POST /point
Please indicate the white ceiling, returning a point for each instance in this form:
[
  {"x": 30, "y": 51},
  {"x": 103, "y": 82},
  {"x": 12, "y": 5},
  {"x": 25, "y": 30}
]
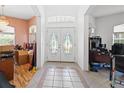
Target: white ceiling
[
  {"x": 18, "y": 11},
  {"x": 61, "y": 10},
  {"x": 26, "y": 11},
  {"x": 104, "y": 10}
]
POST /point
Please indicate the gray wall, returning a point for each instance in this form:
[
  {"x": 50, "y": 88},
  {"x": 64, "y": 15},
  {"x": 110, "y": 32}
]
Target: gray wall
[{"x": 104, "y": 27}]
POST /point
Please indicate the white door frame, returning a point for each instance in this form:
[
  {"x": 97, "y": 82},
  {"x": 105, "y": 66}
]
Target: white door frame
[
  {"x": 75, "y": 41},
  {"x": 40, "y": 34}
]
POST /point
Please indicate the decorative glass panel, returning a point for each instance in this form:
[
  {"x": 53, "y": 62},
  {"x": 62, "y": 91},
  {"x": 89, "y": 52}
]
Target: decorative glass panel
[
  {"x": 53, "y": 44},
  {"x": 67, "y": 43}
]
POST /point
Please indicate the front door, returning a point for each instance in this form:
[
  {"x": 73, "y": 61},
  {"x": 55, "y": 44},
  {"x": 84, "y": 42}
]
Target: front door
[{"x": 60, "y": 44}]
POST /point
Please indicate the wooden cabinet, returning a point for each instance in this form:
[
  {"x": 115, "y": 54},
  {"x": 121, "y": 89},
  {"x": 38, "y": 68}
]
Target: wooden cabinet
[
  {"x": 7, "y": 67},
  {"x": 21, "y": 57},
  {"x": 95, "y": 57}
]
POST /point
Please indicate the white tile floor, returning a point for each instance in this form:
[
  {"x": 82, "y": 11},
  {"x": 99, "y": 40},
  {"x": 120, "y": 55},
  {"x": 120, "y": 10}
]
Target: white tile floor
[
  {"x": 59, "y": 75},
  {"x": 62, "y": 78},
  {"x": 100, "y": 79}
]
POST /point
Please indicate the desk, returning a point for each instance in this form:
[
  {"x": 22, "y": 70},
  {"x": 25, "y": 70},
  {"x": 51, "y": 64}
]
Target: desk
[
  {"x": 96, "y": 57},
  {"x": 7, "y": 67}
]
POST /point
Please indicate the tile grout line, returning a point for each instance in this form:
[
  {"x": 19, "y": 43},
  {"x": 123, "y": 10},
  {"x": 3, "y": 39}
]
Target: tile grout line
[
  {"x": 53, "y": 79},
  {"x": 71, "y": 79},
  {"x": 62, "y": 79}
]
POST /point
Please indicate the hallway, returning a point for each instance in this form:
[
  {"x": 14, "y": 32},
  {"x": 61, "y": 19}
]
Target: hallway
[{"x": 59, "y": 75}]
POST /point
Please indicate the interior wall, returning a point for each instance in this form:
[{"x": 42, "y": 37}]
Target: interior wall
[
  {"x": 104, "y": 27},
  {"x": 82, "y": 38},
  {"x": 91, "y": 24},
  {"x": 92, "y": 21},
  {"x": 32, "y": 21},
  {"x": 21, "y": 29},
  {"x": 41, "y": 25}
]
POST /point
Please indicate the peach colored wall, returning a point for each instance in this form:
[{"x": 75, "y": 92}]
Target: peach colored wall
[
  {"x": 32, "y": 21},
  {"x": 21, "y": 29}
]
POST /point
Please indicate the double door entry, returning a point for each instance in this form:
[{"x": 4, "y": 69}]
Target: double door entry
[{"x": 60, "y": 44}]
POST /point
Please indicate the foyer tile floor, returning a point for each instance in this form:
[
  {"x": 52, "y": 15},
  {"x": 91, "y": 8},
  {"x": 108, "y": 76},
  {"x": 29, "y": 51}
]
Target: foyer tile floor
[
  {"x": 58, "y": 75},
  {"x": 62, "y": 78}
]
